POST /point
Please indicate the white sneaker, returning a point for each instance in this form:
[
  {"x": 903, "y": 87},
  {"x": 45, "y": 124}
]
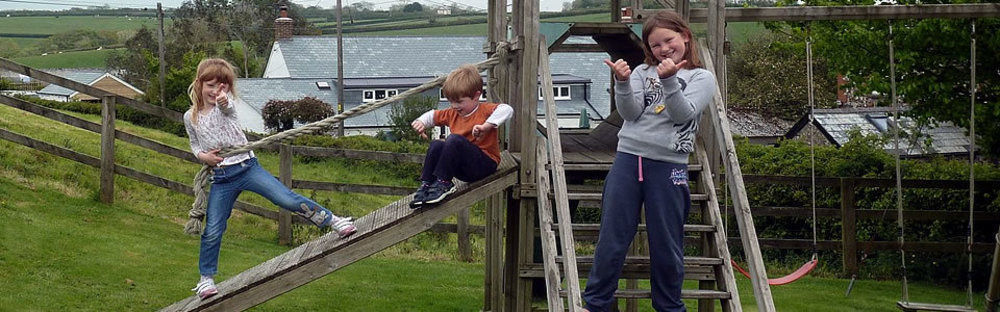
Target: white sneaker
[
  {"x": 206, "y": 288},
  {"x": 344, "y": 226}
]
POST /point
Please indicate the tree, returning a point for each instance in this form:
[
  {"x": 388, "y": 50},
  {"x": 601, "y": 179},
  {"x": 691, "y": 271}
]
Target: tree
[
  {"x": 768, "y": 75},
  {"x": 413, "y": 7},
  {"x": 402, "y": 114},
  {"x": 932, "y": 65},
  {"x": 282, "y": 115}
]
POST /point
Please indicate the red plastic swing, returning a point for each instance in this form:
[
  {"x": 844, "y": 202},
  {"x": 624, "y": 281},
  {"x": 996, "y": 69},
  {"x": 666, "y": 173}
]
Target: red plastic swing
[{"x": 802, "y": 271}]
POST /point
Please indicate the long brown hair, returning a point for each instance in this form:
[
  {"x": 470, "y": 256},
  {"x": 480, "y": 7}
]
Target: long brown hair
[
  {"x": 670, "y": 20},
  {"x": 209, "y": 69}
]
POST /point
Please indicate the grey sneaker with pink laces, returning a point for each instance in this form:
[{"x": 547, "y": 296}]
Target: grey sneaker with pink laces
[
  {"x": 205, "y": 288},
  {"x": 343, "y": 226}
]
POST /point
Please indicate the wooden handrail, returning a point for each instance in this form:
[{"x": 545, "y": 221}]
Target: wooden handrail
[{"x": 723, "y": 139}]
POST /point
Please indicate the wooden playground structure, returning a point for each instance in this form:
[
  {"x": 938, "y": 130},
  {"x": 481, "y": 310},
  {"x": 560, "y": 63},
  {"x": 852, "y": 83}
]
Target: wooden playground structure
[{"x": 541, "y": 171}]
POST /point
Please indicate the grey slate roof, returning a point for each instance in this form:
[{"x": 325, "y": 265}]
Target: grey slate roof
[
  {"x": 945, "y": 137},
  {"x": 81, "y": 76},
  {"x": 415, "y": 56}
]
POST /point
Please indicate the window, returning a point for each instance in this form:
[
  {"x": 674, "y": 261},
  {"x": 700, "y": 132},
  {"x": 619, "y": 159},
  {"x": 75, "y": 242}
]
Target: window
[
  {"x": 322, "y": 85},
  {"x": 559, "y": 92},
  {"x": 442, "y": 98},
  {"x": 377, "y": 94}
]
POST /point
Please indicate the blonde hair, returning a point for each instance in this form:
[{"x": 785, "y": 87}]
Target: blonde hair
[
  {"x": 463, "y": 81},
  {"x": 209, "y": 69},
  {"x": 672, "y": 21}
]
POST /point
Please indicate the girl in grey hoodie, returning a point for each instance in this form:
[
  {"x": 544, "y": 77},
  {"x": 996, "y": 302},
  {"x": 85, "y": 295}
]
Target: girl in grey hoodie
[{"x": 661, "y": 102}]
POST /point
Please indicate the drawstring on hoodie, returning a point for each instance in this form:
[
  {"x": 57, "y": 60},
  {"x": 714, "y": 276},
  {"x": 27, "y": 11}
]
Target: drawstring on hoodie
[{"x": 640, "y": 168}]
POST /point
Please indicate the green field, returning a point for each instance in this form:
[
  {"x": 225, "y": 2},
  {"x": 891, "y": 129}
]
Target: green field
[
  {"x": 77, "y": 59},
  {"x": 61, "y": 249},
  {"x": 53, "y": 25}
]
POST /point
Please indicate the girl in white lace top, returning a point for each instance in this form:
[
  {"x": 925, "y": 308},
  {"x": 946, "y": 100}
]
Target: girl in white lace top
[{"x": 211, "y": 125}]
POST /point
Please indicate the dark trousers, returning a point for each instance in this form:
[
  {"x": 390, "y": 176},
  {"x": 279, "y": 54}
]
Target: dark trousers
[
  {"x": 667, "y": 199},
  {"x": 456, "y": 157}
]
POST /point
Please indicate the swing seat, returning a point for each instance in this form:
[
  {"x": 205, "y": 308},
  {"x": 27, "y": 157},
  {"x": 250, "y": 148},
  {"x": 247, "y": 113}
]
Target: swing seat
[
  {"x": 916, "y": 306},
  {"x": 787, "y": 279}
]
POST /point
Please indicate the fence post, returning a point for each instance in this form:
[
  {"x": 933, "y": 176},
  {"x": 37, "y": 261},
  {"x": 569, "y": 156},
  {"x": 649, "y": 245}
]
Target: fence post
[
  {"x": 285, "y": 175},
  {"x": 107, "y": 149},
  {"x": 849, "y": 226},
  {"x": 464, "y": 250}
]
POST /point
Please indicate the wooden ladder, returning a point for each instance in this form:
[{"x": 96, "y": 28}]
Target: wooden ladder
[{"x": 557, "y": 184}]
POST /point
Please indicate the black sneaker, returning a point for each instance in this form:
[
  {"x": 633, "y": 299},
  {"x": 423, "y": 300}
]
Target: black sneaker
[
  {"x": 438, "y": 191},
  {"x": 420, "y": 195}
]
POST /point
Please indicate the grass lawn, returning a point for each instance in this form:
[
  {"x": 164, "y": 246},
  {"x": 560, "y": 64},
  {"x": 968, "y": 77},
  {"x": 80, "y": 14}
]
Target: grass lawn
[
  {"x": 53, "y": 25},
  {"x": 76, "y": 59},
  {"x": 60, "y": 249}
]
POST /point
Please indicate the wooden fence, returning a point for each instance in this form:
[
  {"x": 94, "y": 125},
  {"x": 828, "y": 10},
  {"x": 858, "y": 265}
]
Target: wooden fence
[
  {"x": 108, "y": 168},
  {"x": 850, "y": 214}
]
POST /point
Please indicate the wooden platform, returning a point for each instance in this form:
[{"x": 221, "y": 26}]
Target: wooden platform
[{"x": 376, "y": 231}]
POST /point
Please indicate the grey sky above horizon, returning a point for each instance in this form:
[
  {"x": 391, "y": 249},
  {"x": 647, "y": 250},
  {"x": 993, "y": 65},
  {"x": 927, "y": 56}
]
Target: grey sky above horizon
[{"x": 546, "y": 5}]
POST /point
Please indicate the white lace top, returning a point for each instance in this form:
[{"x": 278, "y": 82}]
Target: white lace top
[{"x": 217, "y": 128}]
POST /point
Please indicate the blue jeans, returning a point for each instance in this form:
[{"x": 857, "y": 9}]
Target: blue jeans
[
  {"x": 456, "y": 157},
  {"x": 227, "y": 184},
  {"x": 663, "y": 189}
]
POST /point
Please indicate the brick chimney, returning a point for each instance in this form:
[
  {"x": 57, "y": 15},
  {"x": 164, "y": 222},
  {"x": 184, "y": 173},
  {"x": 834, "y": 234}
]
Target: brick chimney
[
  {"x": 283, "y": 25},
  {"x": 841, "y": 92}
]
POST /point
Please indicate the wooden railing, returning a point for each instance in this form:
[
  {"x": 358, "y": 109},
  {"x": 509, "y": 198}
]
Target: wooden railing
[
  {"x": 849, "y": 214},
  {"x": 107, "y": 167}
]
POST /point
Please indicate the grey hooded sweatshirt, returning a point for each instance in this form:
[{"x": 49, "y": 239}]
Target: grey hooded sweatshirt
[{"x": 661, "y": 115}]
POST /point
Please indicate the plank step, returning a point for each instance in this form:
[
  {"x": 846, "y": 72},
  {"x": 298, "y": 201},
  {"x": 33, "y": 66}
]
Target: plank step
[
  {"x": 629, "y": 271},
  {"x": 596, "y": 196},
  {"x": 590, "y": 227},
  {"x": 688, "y": 260},
  {"x": 917, "y": 306},
  {"x": 685, "y": 294},
  {"x": 605, "y": 167}
]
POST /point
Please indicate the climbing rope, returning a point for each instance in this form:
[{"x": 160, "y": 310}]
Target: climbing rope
[{"x": 201, "y": 182}]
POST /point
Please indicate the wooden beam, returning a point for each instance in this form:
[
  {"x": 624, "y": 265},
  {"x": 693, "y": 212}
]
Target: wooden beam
[
  {"x": 107, "y": 192},
  {"x": 285, "y": 175},
  {"x": 96, "y": 128},
  {"x": 131, "y": 173},
  {"x": 843, "y": 13},
  {"x": 358, "y": 154},
  {"x": 576, "y": 47},
  {"x": 352, "y": 188},
  {"x": 744, "y": 217},
  {"x": 376, "y": 231},
  {"x": 89, "y": 90}
]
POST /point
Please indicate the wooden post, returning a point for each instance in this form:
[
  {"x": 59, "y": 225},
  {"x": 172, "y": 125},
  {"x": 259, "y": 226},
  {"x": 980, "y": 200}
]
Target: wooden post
[
  {"x": 849, "y": 226},
  {"x": 107, "y": 149},
  {"x": 462, "y": 221},
  {"x": 340, "y": 68},
  {"x": 285, "y": 175},
  {"x": 163, "y": 75},
  {"x": 525, "y": 100},
  {"x": 993, "y": 292},
  {"x": 493, "y": 288}
]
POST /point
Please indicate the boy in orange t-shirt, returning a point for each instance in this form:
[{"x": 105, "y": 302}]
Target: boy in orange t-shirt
[{"x": 472, "y": 150}]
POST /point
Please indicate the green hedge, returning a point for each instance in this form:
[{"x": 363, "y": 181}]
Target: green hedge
[{"x": 862, "y": 157}]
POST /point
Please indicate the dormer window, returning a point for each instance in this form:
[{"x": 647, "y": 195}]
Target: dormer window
[{"x": 323, "y": 85}]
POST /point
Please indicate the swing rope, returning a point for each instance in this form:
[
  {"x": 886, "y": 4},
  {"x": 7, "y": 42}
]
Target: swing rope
[{"x": 201, "y": 182}]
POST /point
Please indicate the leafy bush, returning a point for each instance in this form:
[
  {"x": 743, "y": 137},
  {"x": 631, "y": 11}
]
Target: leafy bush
[
  {"x": 402, "y": 115},
  {"x": 863, "y": 157},
  {"x": 282, "y": 115}
]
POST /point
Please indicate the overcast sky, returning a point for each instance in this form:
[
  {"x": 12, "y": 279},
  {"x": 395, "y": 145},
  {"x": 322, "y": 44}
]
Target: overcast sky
[{"x": 546, "y": 5}]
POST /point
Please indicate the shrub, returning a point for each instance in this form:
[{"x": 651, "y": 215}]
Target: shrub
[
  {"x": 282, "y": 115},
  {"x": 402, "y": 115}
]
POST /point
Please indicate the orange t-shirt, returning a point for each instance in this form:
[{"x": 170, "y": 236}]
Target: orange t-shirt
[{"x": 462, "y": 125}]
